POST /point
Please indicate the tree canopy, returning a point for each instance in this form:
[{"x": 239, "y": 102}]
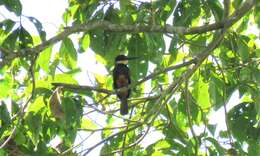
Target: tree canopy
[{"x": 193, "y": 56}]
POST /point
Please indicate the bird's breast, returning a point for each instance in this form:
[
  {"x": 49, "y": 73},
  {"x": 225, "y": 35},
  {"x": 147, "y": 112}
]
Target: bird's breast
[{"x": 122, "y": 81}]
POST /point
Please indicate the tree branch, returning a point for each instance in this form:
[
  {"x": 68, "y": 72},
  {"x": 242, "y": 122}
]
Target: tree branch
[
  {"x": 112, "y": 27},
  {"x": 78, "y": 88}
]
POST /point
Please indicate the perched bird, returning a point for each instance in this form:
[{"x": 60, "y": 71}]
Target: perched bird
[
  {"x": 121, "y": 78},
  {"x": 55, "y": 104}
]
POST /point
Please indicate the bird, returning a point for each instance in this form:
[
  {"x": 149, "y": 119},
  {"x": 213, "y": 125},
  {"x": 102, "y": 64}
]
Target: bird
[
  {"x": 55, "y": 104},
  {"x": 121, "y": 78}
]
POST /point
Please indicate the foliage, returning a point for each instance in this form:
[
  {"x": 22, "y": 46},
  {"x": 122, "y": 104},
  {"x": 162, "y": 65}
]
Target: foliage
[{"x": 176, "y": 87}]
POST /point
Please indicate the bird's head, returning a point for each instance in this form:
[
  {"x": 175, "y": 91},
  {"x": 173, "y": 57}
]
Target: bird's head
[{"x": 122, "y": 59}]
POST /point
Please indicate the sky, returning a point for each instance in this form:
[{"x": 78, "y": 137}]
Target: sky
[{"x": 49, "y": 12}]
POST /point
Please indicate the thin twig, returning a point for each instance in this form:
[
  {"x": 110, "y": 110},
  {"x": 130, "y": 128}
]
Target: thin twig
[
  {"x": 224, "y": 99},
  {"x": 130, "y": 145},
  {"x": 124, "y": 139},
  {"x": 101, "y": 129},
  {"x": 73, "y": 147},
  {"x": 9, "y": 137},
  {"x": 187, "y": 99}
]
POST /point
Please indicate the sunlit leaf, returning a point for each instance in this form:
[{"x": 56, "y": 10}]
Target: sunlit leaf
[
  {"x": 201, "y": 93},
  {"x": 10, "y": 41},
  {"x": 44, "y": 59},
  {"x": 68, "y": 54},
  {"x": 64, "y": 78},
  {"x": 3, "y": 152},
  {"x": 87, "y": 124},
  {"x": 6, "y": 85},
  {"x": 37, "y": 106},
  {"x": 84, "y": 43}
]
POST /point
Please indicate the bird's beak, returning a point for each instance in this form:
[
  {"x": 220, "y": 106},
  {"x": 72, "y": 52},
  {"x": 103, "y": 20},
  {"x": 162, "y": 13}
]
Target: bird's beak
[{"x": 132, "y": 58}]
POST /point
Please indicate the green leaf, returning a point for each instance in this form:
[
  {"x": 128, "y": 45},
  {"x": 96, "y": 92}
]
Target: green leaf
[
  {"x": 25, "y": 39},
  {"x": 186, "y": 13},
  {"x": 173, "y": 48},
  {"x": 44, "y": 59},
  {"x": 257, "y": 51},
  {"x": 200, "y": 93},
  {"x": 4, "y": 116},
  {"x": 64, "y": 78},
  {"x": 216, "y": 9},
  {"x": 157, "y": 153},
  {"x": 10, "y": 41},
  {"x": 84, "y": 43},
  {"x": 38, "y": 26},
  {"x": 68, "y": 54},
  {"x": 105, "y": 149},
  {"x": 13, "y": 5},
  {"x": 216, "y": 92},
  {"x": 6, "y": 86},
  {"x": 244, "y": 24},
  {"x": 237, "y": 3},
  {"x": 20, "y": 137},
  {"x": 73, "y": 111},
  {"x": 241, "y": 120},
  {"x": 7, "y": 25},
  {"x": 245, "y": 74},
  {"x": 37, "y": 106},
  {"x": 243, "y": 49},
  {"x": 3, "y": 152},
  {"x": 156, "y": 47},
  {"x": 112, "y": 15},
  {"x": 218, "y": 147},
  {"x": 15, "y": 108},
  {"x": 126, "y": 10},
  {"x": 257, "y": 14},
  {"x": 34, "y": 122},
  {"x": 161, "y": 144},
  {"x": 53, "y": 66},
  {"x": 194, "y": 111},
  {"x": 138, "y": 48},
  {"x": 70, "y": 12},
  {"x": 107, "y": 44},
  {"x": 254, "y": 149},
  {"x": 197, "y": 45},
  {"x": 97, "y": 41},
  {"x": 212, "y": 128},
  {"x": 87, "y": 124}
]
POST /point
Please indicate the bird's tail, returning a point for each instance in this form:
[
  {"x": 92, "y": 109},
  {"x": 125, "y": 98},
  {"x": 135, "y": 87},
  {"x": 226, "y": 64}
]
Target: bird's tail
[{"x": 124, "y": 106}]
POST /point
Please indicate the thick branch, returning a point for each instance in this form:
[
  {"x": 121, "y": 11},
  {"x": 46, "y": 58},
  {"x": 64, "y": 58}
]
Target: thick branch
[
  {"x": 108, "y": 26},
  {"x": 78, "y": 88}
]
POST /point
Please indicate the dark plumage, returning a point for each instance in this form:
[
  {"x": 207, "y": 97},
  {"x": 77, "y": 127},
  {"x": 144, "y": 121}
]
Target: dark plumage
[{"x": 121, "y": 78}]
